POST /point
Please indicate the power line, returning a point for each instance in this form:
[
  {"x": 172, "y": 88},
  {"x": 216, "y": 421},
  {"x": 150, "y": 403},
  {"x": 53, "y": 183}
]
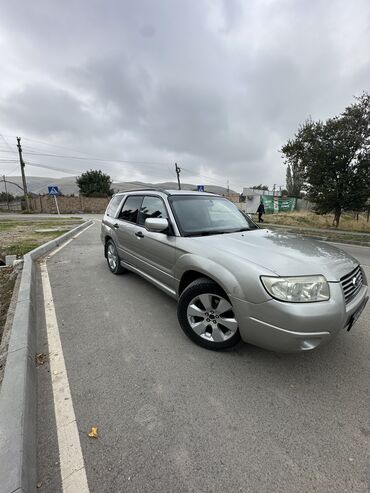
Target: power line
[
  {"x": 208, "y": 178},
  {"x": 7, "y": 144},
  {"x": 11, "y": 172},
  {"x": 104, "y": 160},
  {"x": 51, "y": 145},
  {"x": 89, "y": 157},
  {"x": 63, "y": 170}
]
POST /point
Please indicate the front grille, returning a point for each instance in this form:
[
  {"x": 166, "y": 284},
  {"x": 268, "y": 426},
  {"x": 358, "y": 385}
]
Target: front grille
[{"x": 351, "y": 284}]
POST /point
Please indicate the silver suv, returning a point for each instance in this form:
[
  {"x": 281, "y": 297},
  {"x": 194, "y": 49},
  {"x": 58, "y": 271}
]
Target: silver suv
[{"x": 232, "y": 279}]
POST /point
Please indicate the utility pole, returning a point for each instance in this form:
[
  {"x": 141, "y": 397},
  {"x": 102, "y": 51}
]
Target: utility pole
[
  {"x": 228, "y": 189},
  {"x": 178, "y": 171},
  {"x": 23, "y": 175},
  {"x": 6, "y": 192}
]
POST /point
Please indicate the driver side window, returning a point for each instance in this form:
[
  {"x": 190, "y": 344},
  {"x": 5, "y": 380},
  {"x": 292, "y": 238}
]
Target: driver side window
[{"x": 152, "y": 207}]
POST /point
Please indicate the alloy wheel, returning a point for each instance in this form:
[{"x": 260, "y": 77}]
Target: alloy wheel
[
  {"x": 211, "y": 317},
  {"x": 112, "y": 256}
]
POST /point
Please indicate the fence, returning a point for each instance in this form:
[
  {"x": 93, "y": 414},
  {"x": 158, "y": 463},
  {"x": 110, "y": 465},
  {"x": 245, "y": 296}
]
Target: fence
[
  {"x": 70, "y": 205},
  {"x": 14, "y": 206}
]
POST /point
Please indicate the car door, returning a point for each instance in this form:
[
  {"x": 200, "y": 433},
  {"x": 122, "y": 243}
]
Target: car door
[
  {"x": 156, "y": 252},
  {"x": 125, "y": 227}
]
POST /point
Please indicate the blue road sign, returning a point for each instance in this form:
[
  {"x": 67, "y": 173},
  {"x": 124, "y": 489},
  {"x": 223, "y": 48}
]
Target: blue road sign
[
  {"x": 54, "y": 190},
  {"x": 200, "y": 188}
]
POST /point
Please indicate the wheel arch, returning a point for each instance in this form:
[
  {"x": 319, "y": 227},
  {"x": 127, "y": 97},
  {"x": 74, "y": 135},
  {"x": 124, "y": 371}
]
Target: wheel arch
[{"x": 201, "y": 267}]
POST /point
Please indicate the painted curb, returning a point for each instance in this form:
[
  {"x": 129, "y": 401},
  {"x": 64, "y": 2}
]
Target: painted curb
[{"x": 18, "y": 394}]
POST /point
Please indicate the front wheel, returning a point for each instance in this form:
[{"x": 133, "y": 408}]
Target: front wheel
[
  {"x": 113, "y": 259},
  {"x": 207, "y": 316}
]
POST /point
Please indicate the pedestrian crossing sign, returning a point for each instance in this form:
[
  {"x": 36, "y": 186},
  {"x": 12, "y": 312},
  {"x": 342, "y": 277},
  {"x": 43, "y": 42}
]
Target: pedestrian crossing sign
[{"x": 53, "y": 190}]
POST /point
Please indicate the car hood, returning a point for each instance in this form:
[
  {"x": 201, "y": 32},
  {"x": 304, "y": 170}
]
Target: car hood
[{"x": 282, "y": 253}]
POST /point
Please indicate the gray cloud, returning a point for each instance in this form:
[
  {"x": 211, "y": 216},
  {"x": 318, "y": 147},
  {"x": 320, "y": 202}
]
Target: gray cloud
[
  {"x": 47, "y": 111},
  {"x": 218, "y": 86}
]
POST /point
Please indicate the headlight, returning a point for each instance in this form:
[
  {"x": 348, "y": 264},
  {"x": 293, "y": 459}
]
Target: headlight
[{"x": 297, "y": 289}]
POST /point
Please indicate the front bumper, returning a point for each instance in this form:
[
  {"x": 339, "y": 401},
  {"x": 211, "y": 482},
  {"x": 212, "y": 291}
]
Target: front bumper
[{"x": 293, "y": 327}]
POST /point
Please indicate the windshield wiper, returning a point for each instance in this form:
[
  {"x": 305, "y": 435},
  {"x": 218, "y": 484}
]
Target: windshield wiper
[
  {"x": 207, "y": 233},
  {"x": 241, "y": 229}
]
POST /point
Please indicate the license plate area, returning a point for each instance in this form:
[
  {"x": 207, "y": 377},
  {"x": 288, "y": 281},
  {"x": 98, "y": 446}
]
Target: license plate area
[{"x": 357, "y": 314}]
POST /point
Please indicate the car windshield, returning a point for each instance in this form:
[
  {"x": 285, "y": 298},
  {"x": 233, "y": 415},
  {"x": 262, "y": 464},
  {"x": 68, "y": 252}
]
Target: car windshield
[{"x": 205, "y": 215}]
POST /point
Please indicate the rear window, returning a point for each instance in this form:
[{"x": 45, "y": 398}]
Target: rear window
[
  {"x": 131, "y": 208},
  {"x": 113, "y": 205}
]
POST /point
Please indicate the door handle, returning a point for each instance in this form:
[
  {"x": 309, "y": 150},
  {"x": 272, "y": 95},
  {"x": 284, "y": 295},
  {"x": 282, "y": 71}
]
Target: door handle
[
  {"x": 139, "y": 234},
  {"x": 116, "y": 226}
]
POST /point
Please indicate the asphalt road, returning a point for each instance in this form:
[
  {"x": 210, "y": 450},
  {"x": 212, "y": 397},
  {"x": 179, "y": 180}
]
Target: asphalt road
[{"x": 173, "y": 417}]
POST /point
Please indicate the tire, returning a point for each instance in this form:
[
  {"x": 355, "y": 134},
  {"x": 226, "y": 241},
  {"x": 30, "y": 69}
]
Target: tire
[
  {"x": 206, "y": 315},
  {"x": 113, "y": 260}
]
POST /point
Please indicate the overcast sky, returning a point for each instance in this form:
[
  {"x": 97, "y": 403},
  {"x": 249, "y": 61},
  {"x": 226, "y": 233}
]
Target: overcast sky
[{"x": 216, "y": 85}]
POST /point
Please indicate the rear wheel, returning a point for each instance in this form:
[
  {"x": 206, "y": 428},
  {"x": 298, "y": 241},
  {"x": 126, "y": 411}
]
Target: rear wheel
[
  {"x": 207, "y": 316},
  {"x": 113, "y": 259}
]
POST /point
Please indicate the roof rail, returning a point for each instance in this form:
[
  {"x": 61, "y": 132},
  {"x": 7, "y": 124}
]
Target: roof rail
[{"x": 146, "y": 190}]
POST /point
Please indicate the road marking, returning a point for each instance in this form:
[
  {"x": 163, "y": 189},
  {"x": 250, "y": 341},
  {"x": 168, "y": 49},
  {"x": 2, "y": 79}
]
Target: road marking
[
  {"x": 72, "y": 466},
  {"x": 69, "y": 241}
]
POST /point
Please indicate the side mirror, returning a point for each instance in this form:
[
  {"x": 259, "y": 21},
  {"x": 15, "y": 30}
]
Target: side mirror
[{"x": 156, "y": 224}]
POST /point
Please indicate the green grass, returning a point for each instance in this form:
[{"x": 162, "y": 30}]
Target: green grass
[
  {"x": 7, "y": 281},
  {"x": 8, "y": 224},
  {"x": 324, "y": 221},
  {"x": 21, "y": 248},
  {"x": 6, "y": 227},
  {"x": 20, "y": 236}
]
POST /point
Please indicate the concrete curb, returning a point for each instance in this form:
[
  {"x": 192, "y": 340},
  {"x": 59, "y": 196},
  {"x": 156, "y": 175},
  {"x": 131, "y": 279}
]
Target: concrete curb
[
  {"x": 316, "y": 236},
  {"x": 18, "y": 398},
  {"x": 345, "y": 242}
]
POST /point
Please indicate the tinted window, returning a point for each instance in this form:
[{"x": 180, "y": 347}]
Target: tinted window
[
  {"x": 131, "y": 208},
  {"x": 152, "y": 207},
  {"x": 113, "y": 205}
]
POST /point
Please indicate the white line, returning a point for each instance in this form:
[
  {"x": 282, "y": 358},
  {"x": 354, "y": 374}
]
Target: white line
[
  {"x": 72, "y": 465},
  {"x": 69, "y": 241}
]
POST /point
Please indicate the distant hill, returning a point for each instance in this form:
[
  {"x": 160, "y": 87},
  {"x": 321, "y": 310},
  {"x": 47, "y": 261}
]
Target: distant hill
[{"x": 39, "y": 185}]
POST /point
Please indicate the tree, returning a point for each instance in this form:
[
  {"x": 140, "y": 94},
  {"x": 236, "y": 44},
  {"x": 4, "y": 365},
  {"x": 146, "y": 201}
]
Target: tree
[
  {"x": 6, "y": 197},
  {"x": 294, "y": 179},
  {"x": 94, "y": 183},
  {"x": 260, "y": 187},
  {"x": 333, "y": 157}
]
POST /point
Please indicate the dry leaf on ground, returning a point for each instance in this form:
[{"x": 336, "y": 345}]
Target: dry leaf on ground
[
  {"x": 94, "y": 432},
  {"x": 40, "y": 359}
]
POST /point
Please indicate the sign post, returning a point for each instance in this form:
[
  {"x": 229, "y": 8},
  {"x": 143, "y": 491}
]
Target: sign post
[{"x": 54, "y": 190}]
